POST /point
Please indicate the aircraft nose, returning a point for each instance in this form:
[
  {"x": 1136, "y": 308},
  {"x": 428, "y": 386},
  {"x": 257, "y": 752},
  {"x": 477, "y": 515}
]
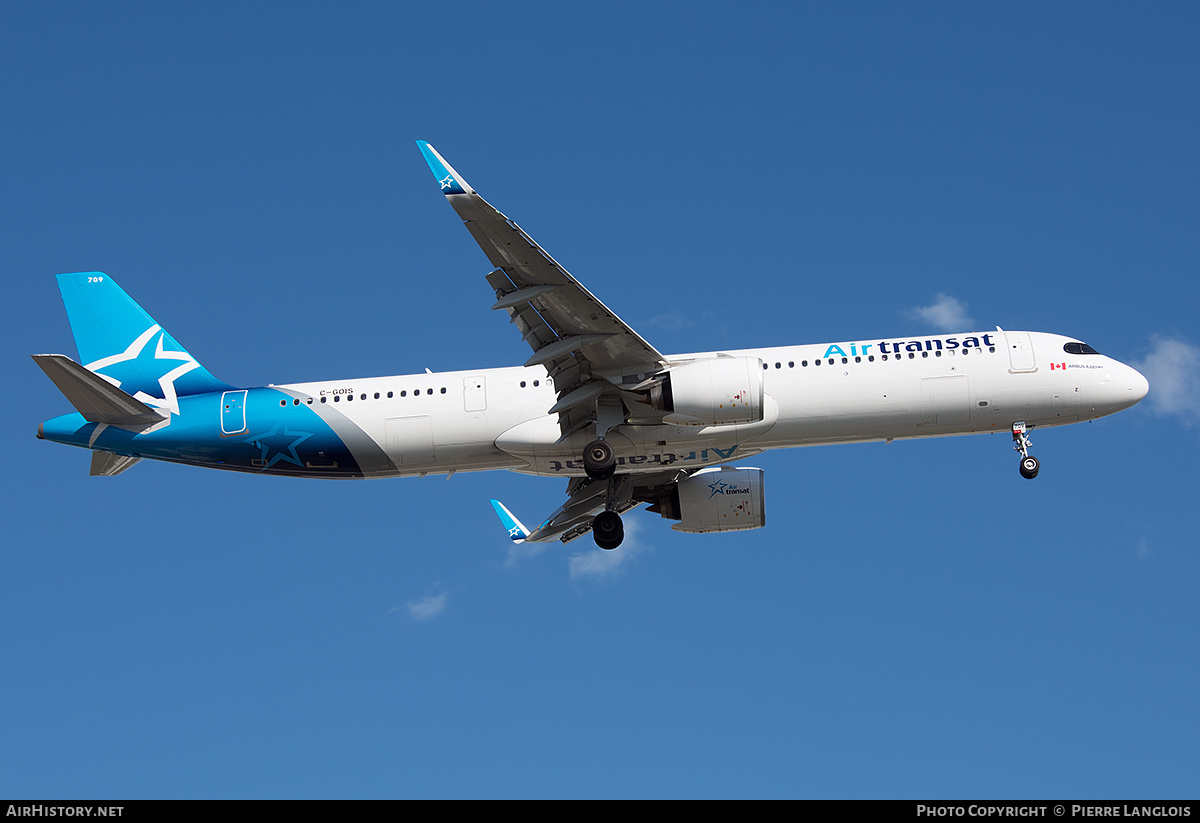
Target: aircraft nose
[
  {"x": 1139, "y": 386},
  {"x": 1126, "y": 386},
  {"x": 1121, "y": 387}
]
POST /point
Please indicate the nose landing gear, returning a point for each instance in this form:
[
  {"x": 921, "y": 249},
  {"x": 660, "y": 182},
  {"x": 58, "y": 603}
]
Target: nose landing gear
[{"x": 1029, "y": 463}]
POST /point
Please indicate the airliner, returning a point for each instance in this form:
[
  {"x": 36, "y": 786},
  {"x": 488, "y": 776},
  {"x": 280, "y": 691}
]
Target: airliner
[{"x": 594, "y": 403}]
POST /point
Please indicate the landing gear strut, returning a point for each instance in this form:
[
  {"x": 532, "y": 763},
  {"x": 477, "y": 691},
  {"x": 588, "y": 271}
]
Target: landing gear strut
[
  {"x": 1029, "y": 463},
  {"x": 600, "y": 463}
]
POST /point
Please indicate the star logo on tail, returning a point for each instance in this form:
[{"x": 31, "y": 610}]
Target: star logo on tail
[{"x": 151, "y": 363}]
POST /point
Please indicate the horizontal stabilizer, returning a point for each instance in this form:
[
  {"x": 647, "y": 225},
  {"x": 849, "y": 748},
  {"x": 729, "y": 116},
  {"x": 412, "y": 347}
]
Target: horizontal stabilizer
[
  {"x": 95, "y": 398},
  {"x": 107, "y": 464}
]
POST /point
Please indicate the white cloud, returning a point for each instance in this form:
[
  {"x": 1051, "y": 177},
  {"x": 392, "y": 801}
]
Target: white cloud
[
  {"x": 598, "y": 562},
  {"x": 1173, "y": 369},
  {"x": 601, "y": 563},
  {"x": 945, "y": 313},
  {"x": 523, "y": 551},
  {"x": 427, "y": 607}
]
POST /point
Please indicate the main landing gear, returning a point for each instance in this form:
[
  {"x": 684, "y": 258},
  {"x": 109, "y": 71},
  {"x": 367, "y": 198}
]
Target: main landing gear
[
  {"x": 600, "y": 462},
  {"x": 607, "y": 530},
  {"x": 1029, "y": 463}
]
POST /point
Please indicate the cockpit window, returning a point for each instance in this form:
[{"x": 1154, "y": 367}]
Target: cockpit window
[{"x": 1079, "y": 348}]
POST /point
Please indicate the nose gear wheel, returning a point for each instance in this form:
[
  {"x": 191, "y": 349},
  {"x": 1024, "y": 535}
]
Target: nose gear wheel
[{"x": 1029, "y": 463}]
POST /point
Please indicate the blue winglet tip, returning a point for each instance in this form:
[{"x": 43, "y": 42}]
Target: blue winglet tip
[
  {"x": 516, "y": 532},
  {"x": 447, "y": 178}
]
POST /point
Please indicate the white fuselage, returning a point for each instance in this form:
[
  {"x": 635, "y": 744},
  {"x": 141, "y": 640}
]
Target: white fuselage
[{"x": 930, "y": 386}]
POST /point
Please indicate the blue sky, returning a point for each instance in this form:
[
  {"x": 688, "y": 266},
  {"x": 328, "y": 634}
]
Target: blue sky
[{"x": 915, "y": 620}]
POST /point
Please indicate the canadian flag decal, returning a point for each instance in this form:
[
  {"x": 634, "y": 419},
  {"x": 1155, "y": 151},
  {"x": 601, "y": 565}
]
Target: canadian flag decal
[{"x": 1054, "y": 366}]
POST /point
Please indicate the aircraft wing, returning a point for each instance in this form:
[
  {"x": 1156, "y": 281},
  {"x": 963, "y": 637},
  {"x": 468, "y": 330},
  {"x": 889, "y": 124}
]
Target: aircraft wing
[
  {"x": 571, "y": 332},
  {"x": 585, "y": 499}
]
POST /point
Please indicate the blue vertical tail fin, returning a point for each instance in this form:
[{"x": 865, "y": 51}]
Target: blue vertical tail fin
[{"x": 120, "y": 342}]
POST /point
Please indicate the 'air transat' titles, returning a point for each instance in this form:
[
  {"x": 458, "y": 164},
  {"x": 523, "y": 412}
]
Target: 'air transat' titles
[
  {"x": 664, "y": 459},
  {"x": 900, "y": 346}
]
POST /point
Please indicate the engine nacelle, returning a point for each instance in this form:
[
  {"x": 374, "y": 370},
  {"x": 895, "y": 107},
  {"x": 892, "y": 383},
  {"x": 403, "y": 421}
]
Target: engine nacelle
[
  {"x": 711, "y": 392},
  {"x": 716, "y": 500}
]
